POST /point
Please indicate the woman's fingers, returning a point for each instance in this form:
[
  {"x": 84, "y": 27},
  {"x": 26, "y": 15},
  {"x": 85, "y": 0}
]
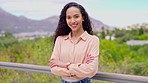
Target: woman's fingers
[
  {"x": 89, "y": 59},
  {"x": 53, "y": 63}
]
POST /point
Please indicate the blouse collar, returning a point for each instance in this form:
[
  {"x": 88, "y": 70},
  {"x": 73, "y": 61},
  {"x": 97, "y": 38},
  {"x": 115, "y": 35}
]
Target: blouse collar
[{"x": 82, "y": 36}]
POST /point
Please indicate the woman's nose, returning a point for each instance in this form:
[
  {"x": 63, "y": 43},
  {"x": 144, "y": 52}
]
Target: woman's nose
[{"x": 72, "y": 20}]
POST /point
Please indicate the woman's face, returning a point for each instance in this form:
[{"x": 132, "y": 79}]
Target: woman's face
[{"x": 74, "y": 19}]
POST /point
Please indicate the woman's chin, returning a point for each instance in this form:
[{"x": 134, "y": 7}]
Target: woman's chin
[{"x": 73, "y": 28}]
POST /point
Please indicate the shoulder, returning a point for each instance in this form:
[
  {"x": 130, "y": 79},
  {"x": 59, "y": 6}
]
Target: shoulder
[
  {"x": 59, "y": 38},
  {"x": 93, "y": 41},
  {"x": 94, "y": 38}
]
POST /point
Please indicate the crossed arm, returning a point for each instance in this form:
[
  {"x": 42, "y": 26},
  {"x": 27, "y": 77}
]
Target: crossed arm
[
  {"x": 54, "y": 62},
  {"x": 70, "y": 70}
]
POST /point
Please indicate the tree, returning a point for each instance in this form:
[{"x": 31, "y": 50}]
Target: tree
[
  {"x": 103, "y": 33},
  {"x": 141, "y": 30},
  {"x": 8, "y": 34}
]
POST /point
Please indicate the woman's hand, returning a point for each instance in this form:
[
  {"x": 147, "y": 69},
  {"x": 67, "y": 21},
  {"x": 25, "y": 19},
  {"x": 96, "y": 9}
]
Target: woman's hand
[
  {"x": 52, "y": 63},
  {"x": 58, "y": 63},
  {"x": 90, "y": 59}
]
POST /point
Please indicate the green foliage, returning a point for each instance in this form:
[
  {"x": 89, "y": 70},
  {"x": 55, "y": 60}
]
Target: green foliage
[
  {"x": 8, "y": 34},
  {"x": 12, "y": 76},
  {"x": 134, "y": 48},
  {"x": 141, "y": 31},
  {"x": 133, "y": 34},
  {"x": 118, "y": 58},
  {"x": 114, "y": 57},
  {"x": 141, "y": 50},
  {"x": 143, "y": 37},
  {"x": 103, "y": 33},
  {"x": 7, "y": 40},
  {"x": 139, "y": 68},
  {"x": 95, "y": 32},
  {"x": 119, "y": 33},
  {"x": 36, "y": 51}
]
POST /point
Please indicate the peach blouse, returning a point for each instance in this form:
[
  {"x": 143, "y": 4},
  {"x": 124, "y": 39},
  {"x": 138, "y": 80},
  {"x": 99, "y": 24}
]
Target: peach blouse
[{"x": 67, "y": 51}]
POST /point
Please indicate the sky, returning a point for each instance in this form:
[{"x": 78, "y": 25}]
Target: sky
[{"x": 118, "y": 13}]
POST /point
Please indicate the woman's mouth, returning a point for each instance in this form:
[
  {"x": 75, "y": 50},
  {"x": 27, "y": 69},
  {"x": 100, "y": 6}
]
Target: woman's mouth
[{"x": 73, "y": 25}]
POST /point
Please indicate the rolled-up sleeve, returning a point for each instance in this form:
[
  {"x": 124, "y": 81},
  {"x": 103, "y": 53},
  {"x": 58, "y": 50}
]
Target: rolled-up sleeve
[
  {"x": 55, "y": 55},
  {"x": 60, "y": 71},
  {"x": 87, "y": 70}
]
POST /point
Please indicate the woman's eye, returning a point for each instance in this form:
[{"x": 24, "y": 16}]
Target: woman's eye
[
  {"x": 68, "y": 17},
  {"x": 76, "y": 16}
]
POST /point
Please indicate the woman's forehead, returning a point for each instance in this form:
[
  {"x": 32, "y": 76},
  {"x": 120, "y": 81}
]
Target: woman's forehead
[{"x": 73, "y": 10}]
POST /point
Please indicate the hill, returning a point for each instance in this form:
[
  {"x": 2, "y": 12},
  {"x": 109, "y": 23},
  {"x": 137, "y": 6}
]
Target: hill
[{"x": 21, "y": 24}]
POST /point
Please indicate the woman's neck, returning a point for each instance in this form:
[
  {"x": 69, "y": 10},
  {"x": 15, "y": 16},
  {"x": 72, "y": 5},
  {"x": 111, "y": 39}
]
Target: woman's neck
[{"x": 76, "y": 34}]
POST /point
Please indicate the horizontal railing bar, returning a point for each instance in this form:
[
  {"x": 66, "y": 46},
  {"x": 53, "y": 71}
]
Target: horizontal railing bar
[
  {"x": 120, "y": 78},
  {"x": 25, "y": 67},
  {"x": 113, "y": 77}
]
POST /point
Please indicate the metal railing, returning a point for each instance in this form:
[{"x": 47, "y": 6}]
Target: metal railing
[{"x": 113, "y": 77}]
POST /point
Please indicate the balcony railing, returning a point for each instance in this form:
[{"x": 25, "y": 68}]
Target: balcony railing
[{"x": 113, "y": 77}]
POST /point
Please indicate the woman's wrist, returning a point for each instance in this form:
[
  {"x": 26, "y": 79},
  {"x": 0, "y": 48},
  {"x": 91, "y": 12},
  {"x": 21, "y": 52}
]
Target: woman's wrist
[{"x": 67, "y": 66}]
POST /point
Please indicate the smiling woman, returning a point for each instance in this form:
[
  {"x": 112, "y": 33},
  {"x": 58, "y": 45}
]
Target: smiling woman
[{"x": 76, "y": 49}]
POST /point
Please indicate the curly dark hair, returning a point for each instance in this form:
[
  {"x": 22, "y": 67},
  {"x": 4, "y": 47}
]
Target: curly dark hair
[{"x": 63, "y": 28}]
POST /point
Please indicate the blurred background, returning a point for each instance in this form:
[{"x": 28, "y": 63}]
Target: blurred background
[{"x": 27, "y": 28}]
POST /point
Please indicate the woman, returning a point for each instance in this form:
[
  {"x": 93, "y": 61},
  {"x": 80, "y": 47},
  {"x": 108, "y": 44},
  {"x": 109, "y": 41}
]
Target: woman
[{"x": 76, "y": 50}]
